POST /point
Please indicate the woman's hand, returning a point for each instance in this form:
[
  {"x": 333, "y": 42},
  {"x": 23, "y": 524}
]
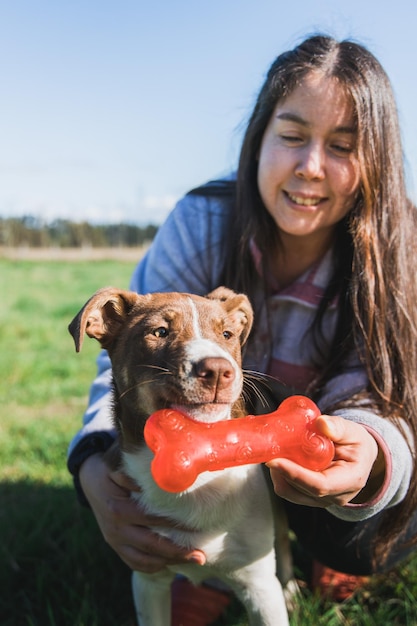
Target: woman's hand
[
  {"x": 122, "y": 522},
  {"x": 355, "y": 474}
]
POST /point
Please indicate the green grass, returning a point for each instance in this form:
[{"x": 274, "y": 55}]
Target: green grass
[{"x": 55, "y": 569}]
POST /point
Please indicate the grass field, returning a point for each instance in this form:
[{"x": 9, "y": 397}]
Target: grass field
[{"x": 55, "y": 569}]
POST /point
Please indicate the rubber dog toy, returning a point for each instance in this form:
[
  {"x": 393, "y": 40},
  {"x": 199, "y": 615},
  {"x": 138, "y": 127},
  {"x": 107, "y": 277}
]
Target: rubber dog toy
[{"x": 183, "y": 447}]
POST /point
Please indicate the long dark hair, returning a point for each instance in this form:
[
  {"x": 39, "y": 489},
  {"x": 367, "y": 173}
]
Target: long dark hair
[{"x": 375, "y": 272}]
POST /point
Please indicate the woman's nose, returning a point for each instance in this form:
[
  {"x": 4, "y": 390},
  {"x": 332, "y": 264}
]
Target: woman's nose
[{"x": 311, "y": 164}]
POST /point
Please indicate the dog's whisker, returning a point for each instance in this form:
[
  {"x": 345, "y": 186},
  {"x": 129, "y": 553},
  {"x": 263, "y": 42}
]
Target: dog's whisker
[
  {"x": 156, "y": 367},
  {"x": 248, "y": 397},
  {"x": 148, "y": 381},
  {"x": 250, "y": 388},
  {"x": 258, "y": 385},
  {"x": 260, "y": 377}
]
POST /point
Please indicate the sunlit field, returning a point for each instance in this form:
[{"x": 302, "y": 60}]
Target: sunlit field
[{"x": 56, "y": 569}]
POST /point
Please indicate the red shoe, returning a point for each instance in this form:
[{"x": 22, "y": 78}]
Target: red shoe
[
  {"x": 333, "y": 585},
  {"x": 196, "y": 605}
]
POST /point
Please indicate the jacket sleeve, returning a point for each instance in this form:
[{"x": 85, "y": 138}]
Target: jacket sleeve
[
  {"x": 188, "y": 252},
  {"x": 97, "y": 432},
  {"x": 395, "y": 447},
  {"x": 97, "y": 420},
  {"x": 398, "y": 465}
]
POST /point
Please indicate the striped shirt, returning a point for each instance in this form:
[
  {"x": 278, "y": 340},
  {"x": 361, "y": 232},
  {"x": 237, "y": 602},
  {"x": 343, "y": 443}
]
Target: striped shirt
[{"x": 289, "y": 353}]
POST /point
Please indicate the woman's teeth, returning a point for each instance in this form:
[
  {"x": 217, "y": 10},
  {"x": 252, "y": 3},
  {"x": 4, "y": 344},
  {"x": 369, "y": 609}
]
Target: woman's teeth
[{"x": 304, "y": 201}]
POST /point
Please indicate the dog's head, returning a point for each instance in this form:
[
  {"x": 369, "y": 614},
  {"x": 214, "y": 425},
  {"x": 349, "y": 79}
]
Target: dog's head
[{"x": 169, "y": 350}]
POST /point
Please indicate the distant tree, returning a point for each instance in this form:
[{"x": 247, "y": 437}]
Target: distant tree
[{"x": 33, "y": 232}]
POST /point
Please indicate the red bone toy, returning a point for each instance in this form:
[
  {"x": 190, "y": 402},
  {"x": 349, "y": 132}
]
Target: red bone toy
[{"x": 184, "y": 447}]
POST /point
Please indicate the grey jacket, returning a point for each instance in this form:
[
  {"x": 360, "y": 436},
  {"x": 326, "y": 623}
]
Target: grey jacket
[{"x": 187, "y": 255}]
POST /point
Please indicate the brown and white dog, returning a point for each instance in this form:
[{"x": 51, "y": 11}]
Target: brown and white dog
[{"x": 184, "y": 351}]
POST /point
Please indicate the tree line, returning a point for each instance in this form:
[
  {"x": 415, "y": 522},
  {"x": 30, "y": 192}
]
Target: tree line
[{"x": 34, "y": 232}]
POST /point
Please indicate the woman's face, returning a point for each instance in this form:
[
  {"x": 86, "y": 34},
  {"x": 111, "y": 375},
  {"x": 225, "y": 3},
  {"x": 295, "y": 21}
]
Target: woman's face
[{"x": 308, "y": 172}]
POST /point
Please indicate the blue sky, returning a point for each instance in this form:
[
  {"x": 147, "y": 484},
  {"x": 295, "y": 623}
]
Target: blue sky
[{"x": 111, "y": 110}]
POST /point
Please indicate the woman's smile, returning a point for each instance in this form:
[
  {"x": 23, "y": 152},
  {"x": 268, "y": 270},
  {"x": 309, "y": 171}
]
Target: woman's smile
[{"x": 303, "y": 200}]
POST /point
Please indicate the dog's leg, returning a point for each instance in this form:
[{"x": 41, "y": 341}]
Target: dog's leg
[
  {"x": 282, "y": 543},
  {"x": 285, "y": 570},
  {"x": 284, "y": 564},
  {"x": 261, "y": 593},
  {"x": 152, "y": 598}
]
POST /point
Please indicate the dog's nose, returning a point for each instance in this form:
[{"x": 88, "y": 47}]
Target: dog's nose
[{"x": 215, "y": 371}]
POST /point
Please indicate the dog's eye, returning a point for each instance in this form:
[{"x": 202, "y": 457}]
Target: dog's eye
[
  {"x": 227, "y": 334},
  {"x": 161, "y": 332}
]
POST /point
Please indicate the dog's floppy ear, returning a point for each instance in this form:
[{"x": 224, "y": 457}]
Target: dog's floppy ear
[
  {"x": 102, "y": 316},
  {"x": 239, "y": 308}
]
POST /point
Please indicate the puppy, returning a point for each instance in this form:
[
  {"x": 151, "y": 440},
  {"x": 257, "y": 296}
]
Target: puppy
[{"x": 184, "y": 351}]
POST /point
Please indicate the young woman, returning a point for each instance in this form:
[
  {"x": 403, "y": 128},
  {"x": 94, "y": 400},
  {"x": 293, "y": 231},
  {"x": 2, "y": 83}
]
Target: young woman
[{"x": 317, "y": 229}]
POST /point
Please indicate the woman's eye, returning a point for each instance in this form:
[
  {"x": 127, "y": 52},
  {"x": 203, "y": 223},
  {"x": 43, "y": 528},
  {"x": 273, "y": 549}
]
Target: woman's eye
[
  {"x": 342, "y": 148},
  {"x": 291, "y": 139},
  {"x": 161, "y": 332}
]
